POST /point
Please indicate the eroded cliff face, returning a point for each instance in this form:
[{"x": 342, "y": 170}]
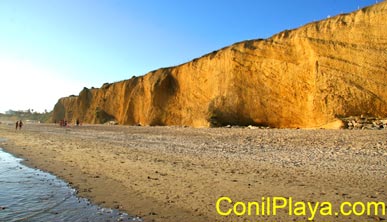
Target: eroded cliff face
[{"x": 301, "y": 78}]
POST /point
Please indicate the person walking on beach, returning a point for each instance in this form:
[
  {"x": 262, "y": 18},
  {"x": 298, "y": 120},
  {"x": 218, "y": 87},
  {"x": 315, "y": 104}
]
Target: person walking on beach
[
  {"x": 20, "y": 125},
  {"x": 17, "y": 124}
]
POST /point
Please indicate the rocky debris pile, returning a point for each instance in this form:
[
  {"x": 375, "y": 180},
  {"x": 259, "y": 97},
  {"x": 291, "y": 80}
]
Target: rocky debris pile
[
  {"x": 112, "y": 123},
  {"x": 364, "y": 122},
  {"x": 248, "y": 127}
]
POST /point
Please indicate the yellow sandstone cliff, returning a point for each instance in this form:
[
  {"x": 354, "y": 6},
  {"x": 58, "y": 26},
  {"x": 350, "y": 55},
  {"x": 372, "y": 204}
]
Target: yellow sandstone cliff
[{"x": 300, "y": 78}]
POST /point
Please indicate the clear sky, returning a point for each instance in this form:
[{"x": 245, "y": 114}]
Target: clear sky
[{"x": 53, "y": 48}]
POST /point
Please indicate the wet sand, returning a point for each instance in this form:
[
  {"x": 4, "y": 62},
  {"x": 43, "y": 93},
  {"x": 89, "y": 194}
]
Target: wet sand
[{"x": 178, "y": 174}]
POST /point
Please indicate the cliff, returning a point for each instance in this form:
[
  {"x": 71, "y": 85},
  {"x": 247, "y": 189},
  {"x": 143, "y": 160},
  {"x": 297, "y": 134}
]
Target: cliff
[{"x": 300, "y": 78}]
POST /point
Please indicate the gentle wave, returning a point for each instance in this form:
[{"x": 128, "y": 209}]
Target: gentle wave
[{"x": 28, "y": 194}]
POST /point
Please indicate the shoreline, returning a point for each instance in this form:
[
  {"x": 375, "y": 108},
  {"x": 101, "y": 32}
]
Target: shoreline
[
  {"x": 177, "y": 174},
  {"x": 22, "y": 187}
]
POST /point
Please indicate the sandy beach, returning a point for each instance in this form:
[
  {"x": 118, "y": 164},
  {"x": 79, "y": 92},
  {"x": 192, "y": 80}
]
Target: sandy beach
[{"x": 178, "y": 174}]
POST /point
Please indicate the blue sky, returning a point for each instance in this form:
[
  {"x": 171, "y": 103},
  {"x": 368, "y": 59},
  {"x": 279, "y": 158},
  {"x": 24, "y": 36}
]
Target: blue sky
[{"x": 51, "y": 49}]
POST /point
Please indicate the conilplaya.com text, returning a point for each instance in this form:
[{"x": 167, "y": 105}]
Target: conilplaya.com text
[{"x": 271, "y": 206}]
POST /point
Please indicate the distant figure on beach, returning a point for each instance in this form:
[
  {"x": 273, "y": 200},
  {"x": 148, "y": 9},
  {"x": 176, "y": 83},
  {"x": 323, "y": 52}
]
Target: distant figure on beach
[
  {"x": 20, "y": 125},
  {"x": 77, "y": 122},
  {"x": 17, "y": 124}
]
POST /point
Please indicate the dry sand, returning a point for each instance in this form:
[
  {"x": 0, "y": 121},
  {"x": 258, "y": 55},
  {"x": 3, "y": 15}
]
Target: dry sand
[{"x": 177, "y": 174}]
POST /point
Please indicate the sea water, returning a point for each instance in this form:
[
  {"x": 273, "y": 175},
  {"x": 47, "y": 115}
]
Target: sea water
[{"x": 28, "y": 194}]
